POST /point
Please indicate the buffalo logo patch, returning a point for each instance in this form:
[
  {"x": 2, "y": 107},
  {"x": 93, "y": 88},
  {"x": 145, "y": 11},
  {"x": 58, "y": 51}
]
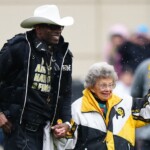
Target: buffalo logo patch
[
  {"x": 120, "y": 112},
  {"x": 66, "y": 67}
]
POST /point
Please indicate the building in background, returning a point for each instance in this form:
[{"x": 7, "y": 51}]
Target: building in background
[{"x": 93, "y": 18}]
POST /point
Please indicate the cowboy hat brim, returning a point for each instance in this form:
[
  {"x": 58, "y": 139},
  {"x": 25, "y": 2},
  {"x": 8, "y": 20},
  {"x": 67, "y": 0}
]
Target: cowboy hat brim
[{"x": 32, "y": 21}]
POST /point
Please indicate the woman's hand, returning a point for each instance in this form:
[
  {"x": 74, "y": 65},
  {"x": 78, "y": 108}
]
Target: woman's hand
[{"x": 60, "y": 130}]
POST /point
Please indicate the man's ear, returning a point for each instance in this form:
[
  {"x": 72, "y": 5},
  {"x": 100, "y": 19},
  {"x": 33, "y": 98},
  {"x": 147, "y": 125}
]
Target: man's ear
[{"x": 38, "y": 30}]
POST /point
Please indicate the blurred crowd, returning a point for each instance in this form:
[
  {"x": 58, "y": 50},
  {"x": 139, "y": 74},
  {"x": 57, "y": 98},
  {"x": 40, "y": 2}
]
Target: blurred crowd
[{"x": 129, "y": 52}]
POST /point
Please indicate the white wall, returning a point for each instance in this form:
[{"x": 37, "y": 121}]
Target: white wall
[{"x": 89, "y": 34}]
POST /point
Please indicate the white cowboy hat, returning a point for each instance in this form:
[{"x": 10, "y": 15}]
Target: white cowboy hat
[{"x": 48, "y": 14}]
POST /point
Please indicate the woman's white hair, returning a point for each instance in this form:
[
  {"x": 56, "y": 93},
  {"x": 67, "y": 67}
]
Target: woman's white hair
[{"x": 99, "y": 70}]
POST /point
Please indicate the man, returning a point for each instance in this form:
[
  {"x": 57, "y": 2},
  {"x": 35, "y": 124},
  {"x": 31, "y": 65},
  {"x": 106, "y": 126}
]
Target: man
[{"x": 35, "y": 75}]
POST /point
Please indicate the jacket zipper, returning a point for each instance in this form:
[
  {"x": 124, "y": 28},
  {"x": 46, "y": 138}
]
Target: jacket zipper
[
  {"x": 129, "y": 146},
  {"x": 27, "y": 78},
  {"x": 59, "y": 86}
]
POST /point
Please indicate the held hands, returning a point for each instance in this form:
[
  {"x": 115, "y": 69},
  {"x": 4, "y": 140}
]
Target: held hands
[
  {"x": 60, "y": 130},
  {"x": 5, "y": 124}
]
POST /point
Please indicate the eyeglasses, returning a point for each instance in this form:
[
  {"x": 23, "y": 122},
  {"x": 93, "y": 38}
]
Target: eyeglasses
[
  {"x": 53, "y": 26},
  {"x": 105, "y": 86}
]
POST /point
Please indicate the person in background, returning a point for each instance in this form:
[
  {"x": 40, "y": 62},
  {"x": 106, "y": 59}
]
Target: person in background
[
  {"x": 136, "y": 49},
  {"x": 118, "y": 35},
  {"x": 35, "y": 81},
  {"x": 124, "y": 83},
  {"x": 104, "y": 120},
  {"x": 141, "y": 35},
  {"x": 140, "y": 86}
]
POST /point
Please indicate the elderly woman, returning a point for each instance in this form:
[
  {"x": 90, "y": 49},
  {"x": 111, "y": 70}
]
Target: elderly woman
[{"x": 104, "y": 120}]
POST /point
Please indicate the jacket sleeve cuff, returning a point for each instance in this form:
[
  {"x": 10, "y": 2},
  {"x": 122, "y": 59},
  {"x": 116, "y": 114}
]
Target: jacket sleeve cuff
[{"x": 68, "y": 123}]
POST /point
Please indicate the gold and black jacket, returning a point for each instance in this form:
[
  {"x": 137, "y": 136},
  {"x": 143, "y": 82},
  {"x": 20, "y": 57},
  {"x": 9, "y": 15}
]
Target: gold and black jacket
[{"x": 116, "y": 131}]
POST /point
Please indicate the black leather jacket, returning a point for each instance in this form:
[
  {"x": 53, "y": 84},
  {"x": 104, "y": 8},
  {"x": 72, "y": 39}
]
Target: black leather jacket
[{"x": 18, "y": 60}]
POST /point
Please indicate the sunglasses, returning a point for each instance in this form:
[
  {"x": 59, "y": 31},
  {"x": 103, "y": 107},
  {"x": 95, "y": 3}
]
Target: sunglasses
[{"x": 53, "y": 26}]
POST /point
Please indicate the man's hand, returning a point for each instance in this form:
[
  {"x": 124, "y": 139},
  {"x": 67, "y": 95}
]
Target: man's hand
[
  {"x": 60, "y": 130},
  {"x": 5, "y": 123}
]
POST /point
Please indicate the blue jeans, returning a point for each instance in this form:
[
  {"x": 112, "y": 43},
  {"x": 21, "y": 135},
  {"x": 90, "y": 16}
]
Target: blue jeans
[{"x": 22, "y": 139}]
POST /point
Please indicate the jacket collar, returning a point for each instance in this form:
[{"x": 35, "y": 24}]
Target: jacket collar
[
  {"x": 41, "y": 45},
  {"x": 89, "y": 103}
]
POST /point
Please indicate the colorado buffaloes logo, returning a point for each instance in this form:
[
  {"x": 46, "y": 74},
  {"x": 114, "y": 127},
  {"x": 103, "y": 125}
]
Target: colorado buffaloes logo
[
  {"x": 66, "y": 67},
  {"x": 120, "y": 112}
]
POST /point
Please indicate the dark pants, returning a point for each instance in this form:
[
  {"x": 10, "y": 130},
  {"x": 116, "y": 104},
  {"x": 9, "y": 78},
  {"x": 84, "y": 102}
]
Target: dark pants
[
  {"x": 142, "y": 144},
  {"x": 22, "y": 139}
]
